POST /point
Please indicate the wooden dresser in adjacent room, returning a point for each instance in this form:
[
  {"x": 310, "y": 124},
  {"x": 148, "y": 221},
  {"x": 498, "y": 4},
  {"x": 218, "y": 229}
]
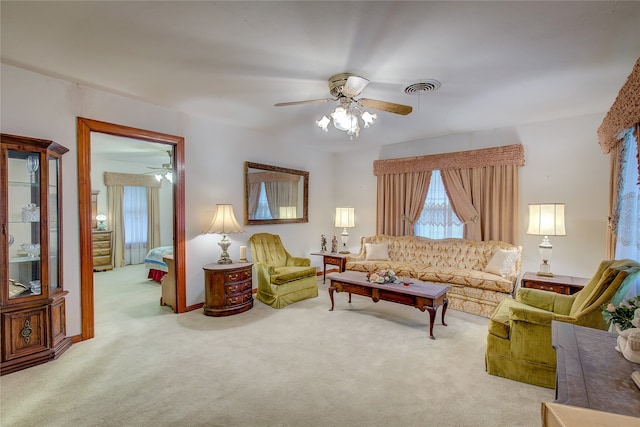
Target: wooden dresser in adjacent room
[{"x": 102, "y": 250}]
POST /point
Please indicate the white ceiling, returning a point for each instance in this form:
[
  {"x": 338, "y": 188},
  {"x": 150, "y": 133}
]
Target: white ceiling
[{"x": 501, "y": 64}]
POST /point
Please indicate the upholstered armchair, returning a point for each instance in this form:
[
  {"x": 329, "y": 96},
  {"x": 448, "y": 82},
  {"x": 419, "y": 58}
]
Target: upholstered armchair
[
  {"x": 282, "y": 278},
  {"x": 519, "y": 338}
]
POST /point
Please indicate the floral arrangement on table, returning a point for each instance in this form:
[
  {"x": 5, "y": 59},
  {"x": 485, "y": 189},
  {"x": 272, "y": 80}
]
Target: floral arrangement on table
[
  {"x": 623, "y": 314},
  {"x": 382, "y": 276}
]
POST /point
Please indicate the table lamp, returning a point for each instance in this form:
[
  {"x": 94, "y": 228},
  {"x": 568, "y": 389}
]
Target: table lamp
[
  {"x": 101, "y": 218},
  {"x": 345, "y": 217},
  {"x": 224, "y": 222},
  {"x": 546, "y": 220}
]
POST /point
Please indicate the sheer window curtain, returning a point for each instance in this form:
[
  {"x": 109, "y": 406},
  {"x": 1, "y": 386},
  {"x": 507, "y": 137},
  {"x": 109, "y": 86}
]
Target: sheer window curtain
[
  {"x": 438, "y": 220},
  {"x": 628, "y": 201},
  {"x": 135, "y": 218},
  {"x": 115, "y": 183}
]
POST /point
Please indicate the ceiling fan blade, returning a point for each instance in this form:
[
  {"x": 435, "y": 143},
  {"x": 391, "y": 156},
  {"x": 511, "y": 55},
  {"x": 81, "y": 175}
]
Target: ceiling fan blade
[
  {"x": 386, "y": 106},
  {"x": 354, "y": 85},
  {"x": 310, "y": 101}
]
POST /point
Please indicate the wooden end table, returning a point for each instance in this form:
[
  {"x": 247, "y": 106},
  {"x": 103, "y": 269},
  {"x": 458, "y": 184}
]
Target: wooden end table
[
  {"x": 421, "y": 295},
  {"x": 332, "y": 258},
  {"x": 227, "y": 288},
  {"x": 567, "y": 285}
]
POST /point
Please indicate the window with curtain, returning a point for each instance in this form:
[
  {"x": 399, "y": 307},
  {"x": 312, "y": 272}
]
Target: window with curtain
[
  {"x": 263, "y": 211},
  {"x": 628, "y": 206},
  {"x": 135, "y": 218},
  {"x": 437, "y": 219}
]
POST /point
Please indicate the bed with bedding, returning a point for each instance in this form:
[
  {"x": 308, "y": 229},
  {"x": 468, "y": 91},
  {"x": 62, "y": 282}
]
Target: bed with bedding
[{"x": 153, "y": 261}]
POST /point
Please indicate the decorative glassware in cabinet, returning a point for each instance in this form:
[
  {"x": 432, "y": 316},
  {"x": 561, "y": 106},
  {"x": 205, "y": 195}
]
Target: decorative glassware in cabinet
[{"x": 23, "y": 203}]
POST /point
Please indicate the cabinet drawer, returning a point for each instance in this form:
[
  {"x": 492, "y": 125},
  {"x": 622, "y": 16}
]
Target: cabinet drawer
[
  {"x": 237, "y": 288},
  {"x": 237, "y": 276},
  {"x": 102, "y": 245},
  {"x": 101, "y": 252},
  {"x": 238, "y": 299},
  {"x": 102, "y": 260},
  {"x": 101, "y": 237}
]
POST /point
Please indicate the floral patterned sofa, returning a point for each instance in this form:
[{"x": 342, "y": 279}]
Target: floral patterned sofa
[{"x": 481, "y": 274}]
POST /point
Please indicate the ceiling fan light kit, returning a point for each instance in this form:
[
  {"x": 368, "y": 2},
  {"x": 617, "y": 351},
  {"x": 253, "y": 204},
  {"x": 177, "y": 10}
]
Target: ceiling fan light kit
[{"x": 348, "y": 115}]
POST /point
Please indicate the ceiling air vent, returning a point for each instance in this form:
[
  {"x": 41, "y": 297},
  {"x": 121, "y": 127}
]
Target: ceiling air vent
[{"x": 423, "y": 86}]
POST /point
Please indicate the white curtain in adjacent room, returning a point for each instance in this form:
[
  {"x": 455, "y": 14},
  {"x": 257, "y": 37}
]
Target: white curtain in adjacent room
[{"x": 135, "y": 215}]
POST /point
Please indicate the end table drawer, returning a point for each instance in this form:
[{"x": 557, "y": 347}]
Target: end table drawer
[
  {"x": 237, "y": 276},
  {"x": 237, "y": 288},
  {"x": 239, "y": 299},
  {"x": 547, "y": 287}
]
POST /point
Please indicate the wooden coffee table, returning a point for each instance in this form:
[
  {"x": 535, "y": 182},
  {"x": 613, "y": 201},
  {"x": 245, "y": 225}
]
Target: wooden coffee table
[{"x": 421, "y": 295}]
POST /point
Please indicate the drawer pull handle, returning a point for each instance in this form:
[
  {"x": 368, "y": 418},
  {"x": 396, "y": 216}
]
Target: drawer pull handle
[
  {"x": 233, "y": 288},
  {"x": 234, "y": 300},
  {"x": 233, "y": 277}
]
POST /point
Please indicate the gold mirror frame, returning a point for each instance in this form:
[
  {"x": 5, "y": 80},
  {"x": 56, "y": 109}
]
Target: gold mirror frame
[{"x": 277, "y": 169}]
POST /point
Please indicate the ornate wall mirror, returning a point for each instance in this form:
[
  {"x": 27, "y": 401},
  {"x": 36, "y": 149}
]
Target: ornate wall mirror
[{"x": 275, "y": 195}]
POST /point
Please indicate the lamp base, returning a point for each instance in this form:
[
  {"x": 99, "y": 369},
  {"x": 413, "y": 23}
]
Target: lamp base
[
  {"x": 545, "y": 269},
  {"x": 545, "y": 274},
  {"x": 224, "y": 256},
  {"x": 344, "y": 252}
]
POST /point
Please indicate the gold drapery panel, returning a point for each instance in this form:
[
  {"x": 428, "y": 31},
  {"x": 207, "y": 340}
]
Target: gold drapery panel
[
  {"x": 130, "y": 180},
  {"x": 623, "y": 114},
  {"x": 400, "y": 201},
  {"x": 495, "y": 156}
]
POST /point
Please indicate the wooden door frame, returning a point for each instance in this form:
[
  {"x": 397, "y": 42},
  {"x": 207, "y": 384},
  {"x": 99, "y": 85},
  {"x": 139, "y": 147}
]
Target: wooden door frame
[{"x": 85, "y": 127}]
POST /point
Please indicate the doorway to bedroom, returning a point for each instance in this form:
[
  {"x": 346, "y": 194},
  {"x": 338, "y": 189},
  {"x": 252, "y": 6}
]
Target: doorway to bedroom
[{"x": 130, "y": 178}]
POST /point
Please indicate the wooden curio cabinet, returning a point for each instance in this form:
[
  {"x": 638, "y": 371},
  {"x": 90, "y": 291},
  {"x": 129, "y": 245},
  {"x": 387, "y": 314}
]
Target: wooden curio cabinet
[{"x": 32, "y": 306}]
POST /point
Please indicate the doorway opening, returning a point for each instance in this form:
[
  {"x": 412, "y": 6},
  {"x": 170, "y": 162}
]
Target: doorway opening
[{"x": 85, "y": 128}]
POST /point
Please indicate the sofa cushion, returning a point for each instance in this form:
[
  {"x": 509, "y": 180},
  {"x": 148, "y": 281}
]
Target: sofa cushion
[
  {"x": 503, "y": 262},
  {"x": 287, "y": 274},
  {"x": 377, "y": 251}
]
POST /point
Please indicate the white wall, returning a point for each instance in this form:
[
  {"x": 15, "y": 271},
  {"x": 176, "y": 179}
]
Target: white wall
[
  {"x": 38, "y": 106},
  {"x": 563, "y": 163}
]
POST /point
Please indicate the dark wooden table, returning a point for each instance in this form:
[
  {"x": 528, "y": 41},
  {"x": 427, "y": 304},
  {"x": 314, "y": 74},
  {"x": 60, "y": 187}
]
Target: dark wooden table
[
  {"x": 332, "y": 258},
  {"x": 590, "y": 372},
  {"x": 421, "y": 295},
  {"x": 567, "y": 285}
]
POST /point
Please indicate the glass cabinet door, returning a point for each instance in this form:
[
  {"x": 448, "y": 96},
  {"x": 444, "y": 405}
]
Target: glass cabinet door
[
  {"x": 54, "y": 258},
  {"x": 23, "y": 208}
]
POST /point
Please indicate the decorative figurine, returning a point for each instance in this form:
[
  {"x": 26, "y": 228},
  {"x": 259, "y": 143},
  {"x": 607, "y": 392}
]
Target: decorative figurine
[
  {"x": 334, "y": 244},
  {"x": 323, "y": 243}
]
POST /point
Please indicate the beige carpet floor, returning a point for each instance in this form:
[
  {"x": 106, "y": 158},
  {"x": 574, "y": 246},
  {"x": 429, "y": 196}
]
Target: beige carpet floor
[{"x": 364, "y": 364}]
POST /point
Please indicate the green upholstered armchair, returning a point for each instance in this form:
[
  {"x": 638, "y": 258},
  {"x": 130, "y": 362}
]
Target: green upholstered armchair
[
  {"x": 282, "y": 278},
  {"x": 519, "y": 338}
]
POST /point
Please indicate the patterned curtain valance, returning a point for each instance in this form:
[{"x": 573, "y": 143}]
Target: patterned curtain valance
[
  {"x": 624, "y": 113},
  {"x": 257, "y": 177},
  {"x": 131, "y": 180},
  {"x": 496, "y": 156}
]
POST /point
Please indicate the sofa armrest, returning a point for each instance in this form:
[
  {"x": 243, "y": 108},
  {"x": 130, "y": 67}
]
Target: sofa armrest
[{"x": 294, "y": 261}]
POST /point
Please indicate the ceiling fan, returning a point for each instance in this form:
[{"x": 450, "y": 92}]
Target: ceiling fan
[
  {"x": 165, "y": 171},
  {"x": 344, "y": 88}
]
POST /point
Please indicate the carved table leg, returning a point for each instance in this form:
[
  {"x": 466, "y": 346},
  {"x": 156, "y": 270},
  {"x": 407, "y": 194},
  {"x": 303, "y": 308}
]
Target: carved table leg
[
  {"x": 444, "y": 309},
  {"x": 331, "y": 289},
  {"x": 432, "y": 319}
]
